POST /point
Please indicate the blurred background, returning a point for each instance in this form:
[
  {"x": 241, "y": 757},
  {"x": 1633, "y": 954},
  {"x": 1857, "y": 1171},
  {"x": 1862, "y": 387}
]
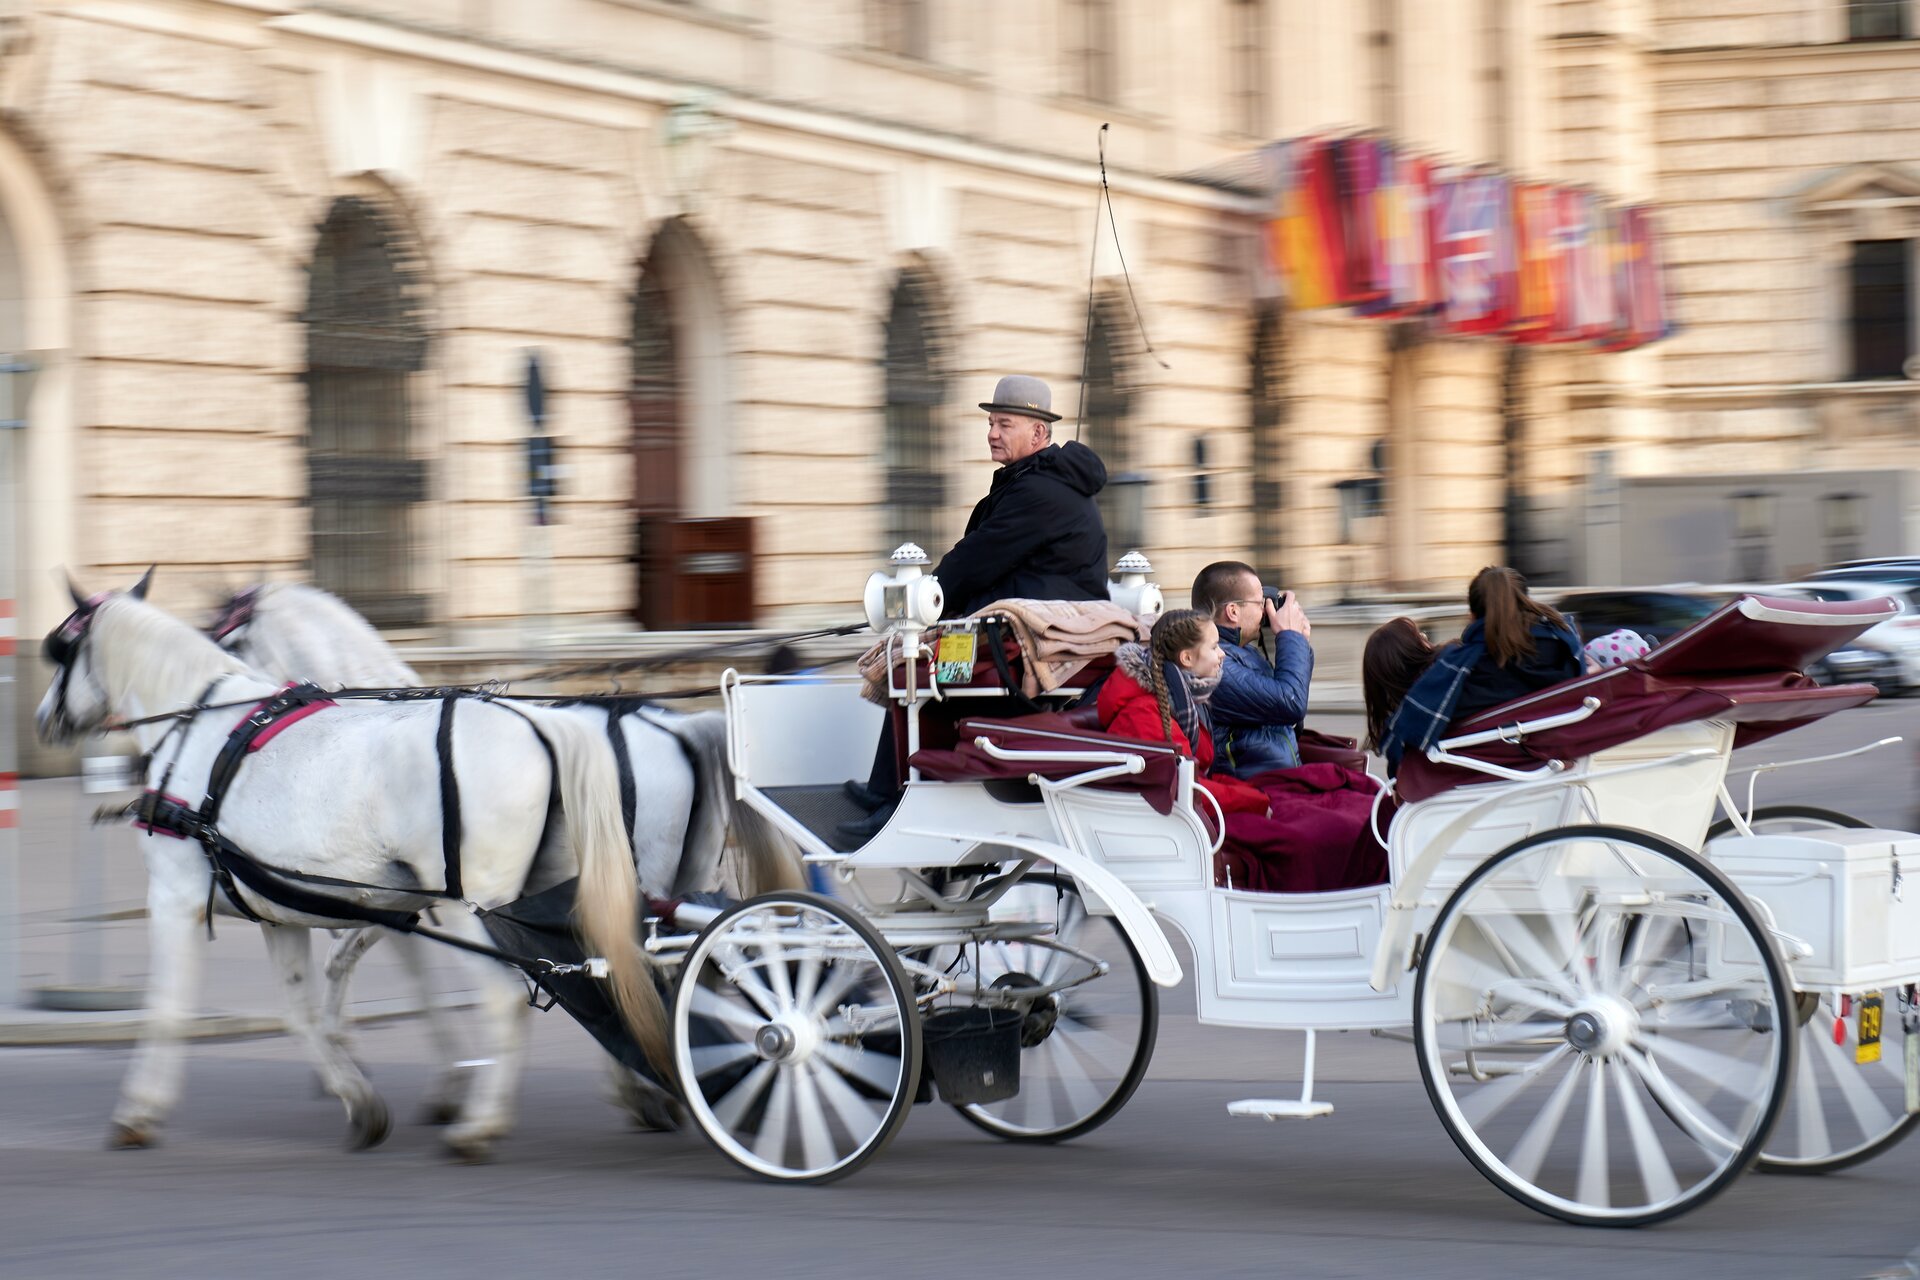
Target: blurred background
[{"x": 593, "y": 322}]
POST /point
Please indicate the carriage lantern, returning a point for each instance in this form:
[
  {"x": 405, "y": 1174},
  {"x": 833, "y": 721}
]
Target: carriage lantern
[
  {"x": 1133, "y": 592},
  {"x": 909, "y": 598}
]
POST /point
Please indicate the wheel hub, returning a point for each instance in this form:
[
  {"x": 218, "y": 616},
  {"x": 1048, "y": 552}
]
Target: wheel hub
[
  {"x": 1601, "y": 1027},
  {"x": 786, "y": 1040}
]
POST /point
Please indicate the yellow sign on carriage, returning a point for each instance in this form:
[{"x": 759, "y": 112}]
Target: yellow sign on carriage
[
  {"x": 1866, "y": 1047},
  {"x": 953, "y": 661}
]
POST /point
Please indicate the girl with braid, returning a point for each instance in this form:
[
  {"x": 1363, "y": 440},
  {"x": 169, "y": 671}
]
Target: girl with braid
[{"x": 1158, "y": 693}]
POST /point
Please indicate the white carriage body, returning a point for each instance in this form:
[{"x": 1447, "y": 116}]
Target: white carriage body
[{"x": 1332, "y": 960}]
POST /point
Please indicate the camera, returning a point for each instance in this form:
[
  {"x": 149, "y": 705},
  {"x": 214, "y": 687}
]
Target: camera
[{"x": 1278, "y": 599}]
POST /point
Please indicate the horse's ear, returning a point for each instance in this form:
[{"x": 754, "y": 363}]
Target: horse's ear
[
  {"x": 139, "y": 589},
  {"x": 79, "y": 596}
]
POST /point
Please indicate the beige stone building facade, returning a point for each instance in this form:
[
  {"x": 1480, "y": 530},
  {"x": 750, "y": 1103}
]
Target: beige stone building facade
[{"x": 282, "y": 264}]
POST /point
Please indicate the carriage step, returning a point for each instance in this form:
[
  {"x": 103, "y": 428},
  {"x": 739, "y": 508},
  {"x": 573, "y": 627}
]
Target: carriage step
[{"x": 1279, "y": 1109}]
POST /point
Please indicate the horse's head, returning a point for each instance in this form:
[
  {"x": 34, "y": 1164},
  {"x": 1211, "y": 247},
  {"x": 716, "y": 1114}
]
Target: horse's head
[
  {"x": 77, "y": 701},
  {"x": 228, "y": 629}
]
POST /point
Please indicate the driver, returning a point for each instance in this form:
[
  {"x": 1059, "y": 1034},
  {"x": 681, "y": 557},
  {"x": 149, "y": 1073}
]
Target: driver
[{"x": 1037, "y": 535}]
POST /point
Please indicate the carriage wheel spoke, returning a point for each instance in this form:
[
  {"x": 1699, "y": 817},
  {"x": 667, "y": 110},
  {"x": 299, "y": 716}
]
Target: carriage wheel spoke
[
  {"x": 770, "y": 1144},
  {"x": 806, "y": 981},
  {"x": 1483, "y": 1104},
  {"x": 1709, "y": 1066},
  {"x": 1529, "y": 956},
  {"x": 779, "y": 977},
  {"x": 1537, "y": 1139},
  {"x": 1656, "y": 1171},
  {"x": 1594, "y": 1185},
  {"x": 1868, "y": 1111},
  {"x": 709, "y": 1003},
  {"x": 826, "y": 998},
  {"x": 858, "y": 1114},
  {"x": 1809, "y": 1117},
  {"x": 731, "y": 1109},
  {"x": 741, "y": 975},
  {"x": 1700, "y": 1126},
  {"x": 709, "y": 1058},
  {"x": 878, "y": 1071},
  {"x": 816, "y": 1139},
  {"x": 1083, "y": 1095}
]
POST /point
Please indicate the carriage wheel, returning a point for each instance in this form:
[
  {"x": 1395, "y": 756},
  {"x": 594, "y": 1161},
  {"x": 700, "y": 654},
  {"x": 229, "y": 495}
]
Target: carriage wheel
[
  {"x": 1839, "y": 1111},
  {"x": 1595, "y": 1019},
  {"x": 796, "y": 1038},
  {"x": 1084, "y": 1050}
]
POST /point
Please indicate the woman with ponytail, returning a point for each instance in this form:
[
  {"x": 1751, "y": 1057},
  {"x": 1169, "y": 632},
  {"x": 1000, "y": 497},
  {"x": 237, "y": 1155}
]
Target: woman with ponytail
[
  {"x": 1158, "y": 692},
  {"x": 1513, "y": 647}
]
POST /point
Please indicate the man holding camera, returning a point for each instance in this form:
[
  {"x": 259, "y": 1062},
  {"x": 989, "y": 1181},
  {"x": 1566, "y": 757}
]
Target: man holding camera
[{"x": 1260, "y": 702}]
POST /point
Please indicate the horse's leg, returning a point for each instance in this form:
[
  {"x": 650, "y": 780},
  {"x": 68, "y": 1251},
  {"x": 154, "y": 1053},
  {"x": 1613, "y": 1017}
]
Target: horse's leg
[
  {"x": 152, "y": 1083},
  {"x": 487, "y": 1111},
  {"x": 290, "y": 948},
  {"x": 451, "y": 1085},
  {"x": 342, "y": 956}
]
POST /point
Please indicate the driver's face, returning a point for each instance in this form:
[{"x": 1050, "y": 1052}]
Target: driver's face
[{"x": 1011, "y": 437}]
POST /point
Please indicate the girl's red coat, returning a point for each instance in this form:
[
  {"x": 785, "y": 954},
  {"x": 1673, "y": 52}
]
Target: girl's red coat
[{"x": 1129, "y": 710}]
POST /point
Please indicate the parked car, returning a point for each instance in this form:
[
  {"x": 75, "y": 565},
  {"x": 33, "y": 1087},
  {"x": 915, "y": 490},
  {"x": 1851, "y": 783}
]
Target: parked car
[
  {"x": 1903, "y": 571},
  {"x": 1658, "y": 613},
  {"x": 1898, "y": 636}
]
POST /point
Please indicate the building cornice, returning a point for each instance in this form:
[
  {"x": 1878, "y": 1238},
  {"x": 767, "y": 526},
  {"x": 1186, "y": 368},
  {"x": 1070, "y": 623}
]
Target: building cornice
[
  {"x": 587, "y": 76},
  {"x": 1759, "y": 395},
  {"x": 1891, "y": 55}
]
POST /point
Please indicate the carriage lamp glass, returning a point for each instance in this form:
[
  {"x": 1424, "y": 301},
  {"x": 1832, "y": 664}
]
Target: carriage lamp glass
[{"x": 908, "y": 599}]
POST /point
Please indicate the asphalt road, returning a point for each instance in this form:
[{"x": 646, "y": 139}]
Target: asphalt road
[{"x": 251, "y": 1180}]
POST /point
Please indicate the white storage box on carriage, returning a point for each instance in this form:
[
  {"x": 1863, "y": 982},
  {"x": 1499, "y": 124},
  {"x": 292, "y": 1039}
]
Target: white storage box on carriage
[{"x": 1853, "y": 897}]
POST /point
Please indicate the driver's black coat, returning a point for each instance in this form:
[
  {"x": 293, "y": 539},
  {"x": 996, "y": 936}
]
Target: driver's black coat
[{"x": 1037, "y": 535}]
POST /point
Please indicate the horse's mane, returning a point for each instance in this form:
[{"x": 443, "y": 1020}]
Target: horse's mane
[
  {"x": 150, "y": 651},
  {"x": 300, "y": 632}
]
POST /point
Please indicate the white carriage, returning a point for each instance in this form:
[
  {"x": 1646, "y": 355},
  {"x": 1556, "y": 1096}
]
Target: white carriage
[{"x": 1597, "y": 1005}]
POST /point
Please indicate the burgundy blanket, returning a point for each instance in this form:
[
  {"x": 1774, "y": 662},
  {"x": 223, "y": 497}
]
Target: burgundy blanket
[{"x": 1318, "y": 838}]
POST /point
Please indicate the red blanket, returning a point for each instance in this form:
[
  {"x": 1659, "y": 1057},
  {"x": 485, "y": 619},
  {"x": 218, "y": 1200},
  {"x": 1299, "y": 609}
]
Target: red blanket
[{"x": 1318, "y": 838}]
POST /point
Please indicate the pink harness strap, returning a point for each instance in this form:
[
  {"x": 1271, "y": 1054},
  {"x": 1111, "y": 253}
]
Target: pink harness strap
[{"x": 286, "y": 721}]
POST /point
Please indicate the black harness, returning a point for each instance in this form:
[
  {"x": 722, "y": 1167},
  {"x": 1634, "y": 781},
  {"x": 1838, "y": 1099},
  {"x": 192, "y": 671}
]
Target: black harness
[{"x": 166, "y": 814}]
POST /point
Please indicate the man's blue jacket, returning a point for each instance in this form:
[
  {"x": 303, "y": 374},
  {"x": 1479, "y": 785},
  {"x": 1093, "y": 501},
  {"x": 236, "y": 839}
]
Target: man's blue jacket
[{"x": 1258, "y": 704}]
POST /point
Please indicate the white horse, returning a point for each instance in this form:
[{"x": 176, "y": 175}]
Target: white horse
[
  {"x": 300, "y": 632},
  {"x": 354, "y": 794}
]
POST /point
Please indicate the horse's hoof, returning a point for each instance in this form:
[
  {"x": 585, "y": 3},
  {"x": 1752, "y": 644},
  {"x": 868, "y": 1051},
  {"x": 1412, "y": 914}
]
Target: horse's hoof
[
  {"x": 470, "y": 1149},
  {"x": 656, "y": 1113},
  {"x": 439, "y": 1112},
  {"x": 127, "y": 1137},
  {"x": 367, "y": 1125}
]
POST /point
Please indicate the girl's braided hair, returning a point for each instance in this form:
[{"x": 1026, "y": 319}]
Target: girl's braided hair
[{"x": 1177, "y": 630}]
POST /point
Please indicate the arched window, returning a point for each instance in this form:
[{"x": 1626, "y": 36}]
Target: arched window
[
  {"x": 1107, "y": 435},
  {"x": 916, "y": 391},
  {"x": 1267, "y": 394},
  {"x": 366, "y": 338}
]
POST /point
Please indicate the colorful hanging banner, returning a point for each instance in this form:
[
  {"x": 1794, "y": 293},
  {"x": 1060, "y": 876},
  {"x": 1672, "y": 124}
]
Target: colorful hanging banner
[{"x": 1361, "y": 222}]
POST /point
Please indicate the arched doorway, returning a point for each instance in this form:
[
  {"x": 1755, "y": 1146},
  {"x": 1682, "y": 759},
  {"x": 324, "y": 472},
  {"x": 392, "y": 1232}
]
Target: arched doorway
[
  {"x": 1122, "y": 506},
  {"x": 916, "y": 392},
  {"x": 695, "y": 558},
  {"x": 366, "y": 341},
  {"x": 1407, "y": 558}
]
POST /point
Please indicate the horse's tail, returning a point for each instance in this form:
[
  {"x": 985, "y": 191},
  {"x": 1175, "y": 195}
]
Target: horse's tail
[
  {"x": 763, "y": 858},
  {"x": 607, "y": 904}
]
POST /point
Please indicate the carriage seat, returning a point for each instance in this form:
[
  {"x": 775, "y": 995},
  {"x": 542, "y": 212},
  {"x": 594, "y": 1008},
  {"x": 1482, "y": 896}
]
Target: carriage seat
[
  {"x": 1075, "y": 730},
  {"x": 1744, "y": 663}
]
